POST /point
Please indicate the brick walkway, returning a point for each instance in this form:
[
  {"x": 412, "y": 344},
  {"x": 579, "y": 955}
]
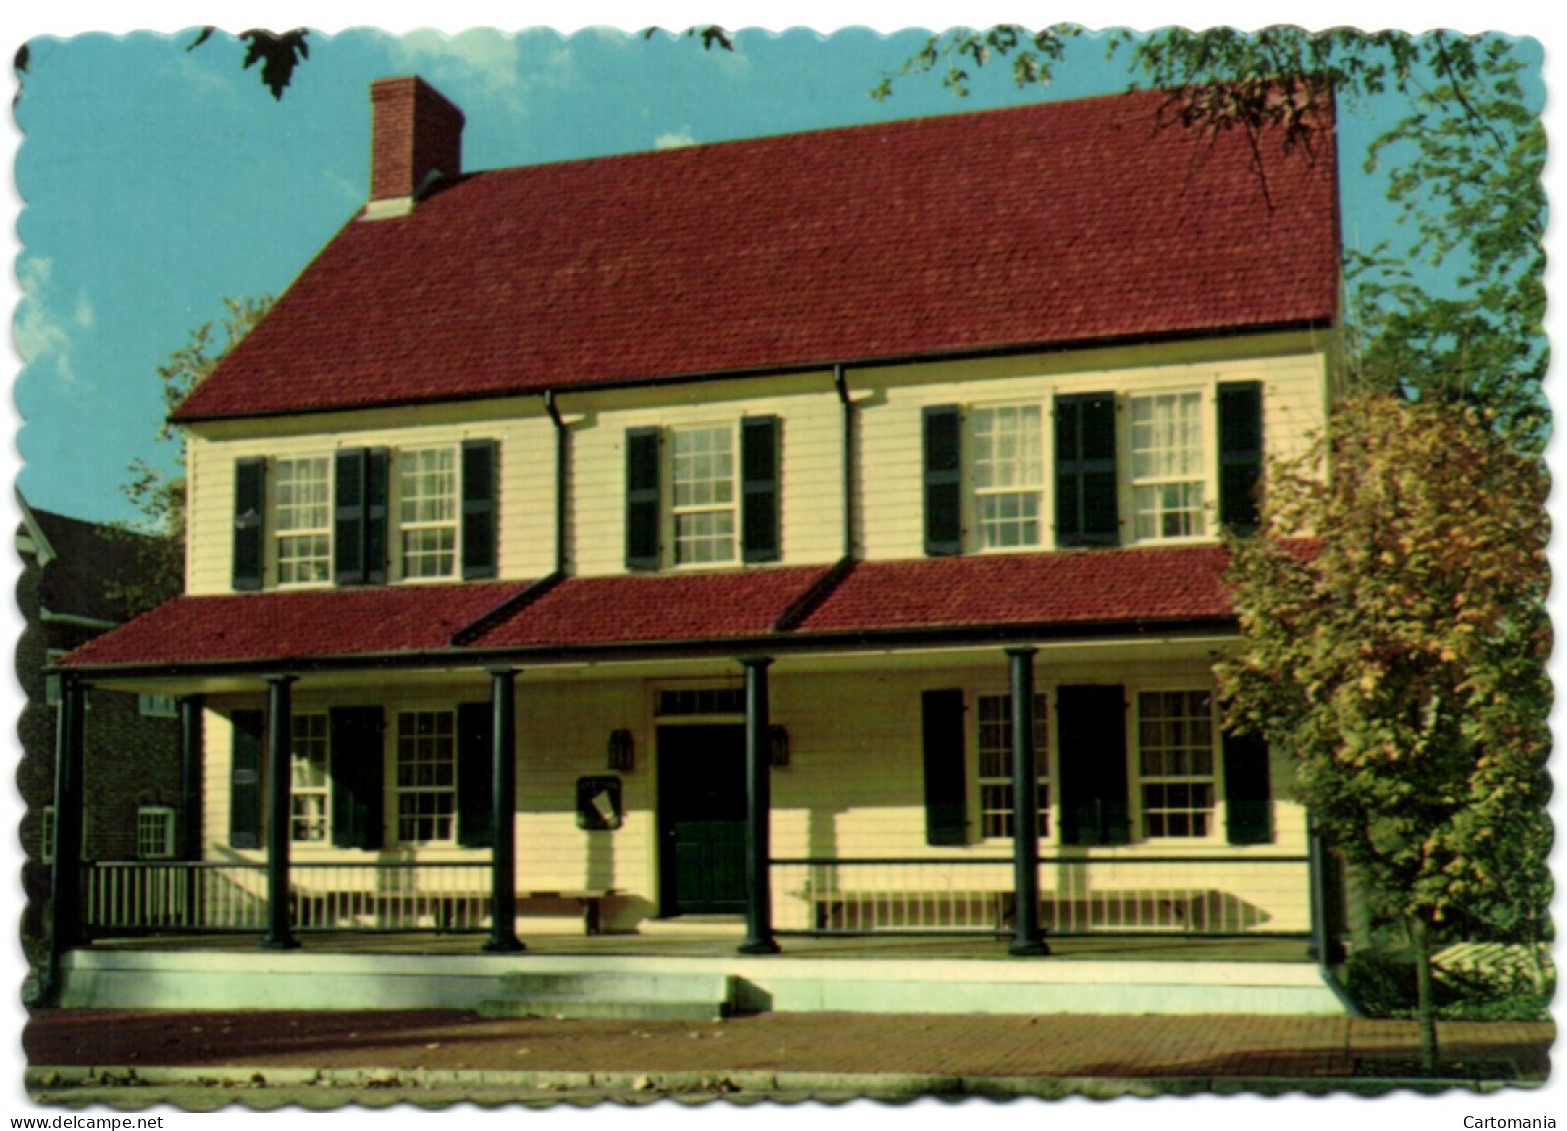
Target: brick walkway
[{"x": 1054, "y": 1045}]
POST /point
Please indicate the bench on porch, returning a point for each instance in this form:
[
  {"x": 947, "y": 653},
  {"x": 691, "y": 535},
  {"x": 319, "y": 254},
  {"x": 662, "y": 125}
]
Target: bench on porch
[
  {"x": 996, "y": 909},
  {"x": 450, "y": 910}
]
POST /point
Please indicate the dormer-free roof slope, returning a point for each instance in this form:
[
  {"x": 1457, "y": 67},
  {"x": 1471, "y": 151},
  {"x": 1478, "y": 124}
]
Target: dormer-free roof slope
[{"x": 1051, "y": 225}]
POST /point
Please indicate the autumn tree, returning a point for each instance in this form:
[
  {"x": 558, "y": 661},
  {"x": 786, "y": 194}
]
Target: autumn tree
[
  {"x": 1400, "y": 662},
  {"x": 157, "y": 536}
]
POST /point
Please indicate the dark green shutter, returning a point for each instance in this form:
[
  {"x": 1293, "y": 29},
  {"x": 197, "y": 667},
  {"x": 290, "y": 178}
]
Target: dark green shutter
[
  {"x": 1086, "y": 507},
  {"x": 358, "y": 776},
  {"x": 478, "y": 509},
  {"x": 1240, "y": 454},
  {"x": 1091, "y": 723},
  {"x": 759, "y": 488},
  {"x": 943, "y": 446},
  {"x": 642, "y": 501},
  {"x": 946, "y": 775},
  {"x": 1248, "y": 790},
  {"x": 475, "y": 776},
  {"x": 245, "y": 779},
  {"x": 377, "y": 479},
  {"x": 348, "y": 524},
  {"x": 250, "y": 508}
]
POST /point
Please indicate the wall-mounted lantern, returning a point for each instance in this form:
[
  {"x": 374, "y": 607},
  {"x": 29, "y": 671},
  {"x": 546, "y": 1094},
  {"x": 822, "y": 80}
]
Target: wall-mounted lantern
[
  {"x": 622, "y": 751},
  {"x": 778, "y": 742}
]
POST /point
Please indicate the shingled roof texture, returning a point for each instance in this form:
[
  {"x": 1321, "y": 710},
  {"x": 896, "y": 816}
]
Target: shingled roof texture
[{"x": 1051, "y": 224}]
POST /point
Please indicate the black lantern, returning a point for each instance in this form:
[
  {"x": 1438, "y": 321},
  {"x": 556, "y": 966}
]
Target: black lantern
[
  {"x": 622, "y": 751},
  {"x": 778, "y": 746}
]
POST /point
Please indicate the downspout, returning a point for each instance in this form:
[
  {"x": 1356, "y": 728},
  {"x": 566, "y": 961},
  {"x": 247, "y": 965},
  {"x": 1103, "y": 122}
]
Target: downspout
[
  {"x": 562, "y": 458},
  {"x": 840, "y": 381}
]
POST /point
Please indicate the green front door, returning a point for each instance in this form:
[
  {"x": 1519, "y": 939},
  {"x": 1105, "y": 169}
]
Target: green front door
[{"x": 701, "y": 807}]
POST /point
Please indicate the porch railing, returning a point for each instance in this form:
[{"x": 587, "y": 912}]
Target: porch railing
[
  {"x": 135, "y": 897},
  {"x": 1177, "y": 895}
]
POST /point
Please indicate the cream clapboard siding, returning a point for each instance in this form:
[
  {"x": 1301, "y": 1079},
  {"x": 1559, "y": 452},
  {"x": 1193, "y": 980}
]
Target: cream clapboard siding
[
  {"x": 811, "y": 430},
  {"x": 1292, "y": 369},
  {"x": 526, "y": 519}
]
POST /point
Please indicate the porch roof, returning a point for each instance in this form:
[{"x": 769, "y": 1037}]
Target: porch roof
[{"x": 1013, "y": 596}]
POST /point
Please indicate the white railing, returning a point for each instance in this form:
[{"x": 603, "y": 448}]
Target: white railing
[
  {"x": 171, "y": 896},
  {"x": 1077, "y": 895}
]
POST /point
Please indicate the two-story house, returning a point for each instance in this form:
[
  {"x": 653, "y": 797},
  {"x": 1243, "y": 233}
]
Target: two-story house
[{"x": 766, "y": 529}]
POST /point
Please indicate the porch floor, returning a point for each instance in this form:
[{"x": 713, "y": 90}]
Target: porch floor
[{"x": 1269, "y": 949}]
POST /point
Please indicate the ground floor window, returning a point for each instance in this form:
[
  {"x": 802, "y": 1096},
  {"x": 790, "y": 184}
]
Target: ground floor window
[
  {"x": 310, "y": 786},
  {"x": 995, "y": 765},
  {"x": 426, "y": 777},
  {"x": 1175, "y": 760},
  {"x": 155, "y": 832}
]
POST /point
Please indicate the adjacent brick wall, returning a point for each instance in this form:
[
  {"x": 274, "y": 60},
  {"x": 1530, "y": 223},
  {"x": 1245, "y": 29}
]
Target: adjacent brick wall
[{"x": 413, "y": 129}]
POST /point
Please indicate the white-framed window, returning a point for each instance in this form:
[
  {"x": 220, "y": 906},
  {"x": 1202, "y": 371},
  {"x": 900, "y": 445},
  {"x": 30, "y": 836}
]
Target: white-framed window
[
  {"x": 157, "y": 706},
  {"x": 427, "y": 511},
  {"x": 302, "y": 519},
  {"x": 154, "y": 832},
  {"x": 310, "y": 786},
  {"x": 995, "y": 765},
  {"x": 1168, "y": 465},
  {"x": 704, "y": 496},
  {"x": 1006, "y": 462},
  {"x": 1176, "y": 763},
  {"x": 426, "y": 778}
]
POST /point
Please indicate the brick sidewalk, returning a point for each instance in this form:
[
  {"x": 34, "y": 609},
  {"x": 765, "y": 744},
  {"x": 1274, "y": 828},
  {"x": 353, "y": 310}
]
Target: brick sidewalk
[{"x": 988, "y": 1046}]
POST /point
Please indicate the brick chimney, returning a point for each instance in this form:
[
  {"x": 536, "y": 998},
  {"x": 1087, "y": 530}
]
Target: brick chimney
[{"x": 414, "y": 133}]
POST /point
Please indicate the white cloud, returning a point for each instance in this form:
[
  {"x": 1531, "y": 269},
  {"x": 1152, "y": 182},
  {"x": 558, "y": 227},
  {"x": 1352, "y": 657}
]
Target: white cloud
[
  {"x": 674, "y": 140},
  {"x": 44, "y": 337},
  {"x": 482, "y": 56}
]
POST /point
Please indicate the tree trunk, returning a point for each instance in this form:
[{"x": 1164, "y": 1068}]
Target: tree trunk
[{"x": 1425, "y": 1007}]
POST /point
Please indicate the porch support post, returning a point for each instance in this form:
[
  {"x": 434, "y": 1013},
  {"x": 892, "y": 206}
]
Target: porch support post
[
  {"x": 65, "y": 880},
  {"x": 1027, "y": 940},
  {"x": 1323, "y": 947},
  {"x": 503, "y": 846},
  {"x": 758, "y": 795},
  {"x": 191, "y": 707},
  {"x": 279, "y": 934}
]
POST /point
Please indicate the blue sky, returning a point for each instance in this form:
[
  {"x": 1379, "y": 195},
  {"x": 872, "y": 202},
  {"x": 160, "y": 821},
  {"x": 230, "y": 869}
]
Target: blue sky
[{"x": 158, "y": 180}]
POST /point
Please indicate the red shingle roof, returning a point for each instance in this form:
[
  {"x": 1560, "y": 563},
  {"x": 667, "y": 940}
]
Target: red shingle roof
[
  {"x": 655, "y": 607},
  {"x": 1081, "y": 587},
  {"x": 294, "y": 625},
  {"x": 1096, "y": 589},
  {"x": 1051, "y": 224}
]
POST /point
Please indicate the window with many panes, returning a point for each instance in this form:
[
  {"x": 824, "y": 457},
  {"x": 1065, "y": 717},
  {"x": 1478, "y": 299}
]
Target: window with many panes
[
  {"x": 427, "y": 511},
  {"x": 157, "y": 706},
  {"x": 310, "y": 785},
  {"x": 426, "y": 776},
  {"x": 155, "y": 832},
  {"x": 995, "y": 765},
  {"x": 1007, "y": 465},
  {"x": 703, "y": 493},
  {"x": 1175, "y": 758},
  {"x": 302, "y": 519},
  {"x": 1168, "y": 465}
]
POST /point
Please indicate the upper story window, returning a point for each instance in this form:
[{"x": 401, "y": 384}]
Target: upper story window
[
  {"x": 427, "y": 511},
  {"x": 1109, "y": 470},
  {"x": 703, "y": 495},
  {"x": 360, "y": 516},
  {"x": 302, "y": 517},
  {"x": 703, "y": 503},
  {"x": 1169, "y": 474}
]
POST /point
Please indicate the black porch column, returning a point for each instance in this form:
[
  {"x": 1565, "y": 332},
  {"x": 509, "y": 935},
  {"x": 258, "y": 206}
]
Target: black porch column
[
  {"x": 503, "y": 845},
  {"x": 191, "y": 707},
  {"x": 1026, "y": 941},
  {"x": 1324, "y": 946},
  {"x": 758, "y": 796},
  {"x": 65, "y": 880},
  {"x": 279, "y": 934}
]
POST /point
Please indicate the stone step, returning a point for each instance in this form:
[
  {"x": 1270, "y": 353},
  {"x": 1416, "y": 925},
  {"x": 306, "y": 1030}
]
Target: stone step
[
  {"x": 609, "y": 985},
  {"x": 584, "y": 1008}
]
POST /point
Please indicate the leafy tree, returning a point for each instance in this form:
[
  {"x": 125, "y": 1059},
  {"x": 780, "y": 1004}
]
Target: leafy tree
[
  {"x": 158, "y": 537},
  {"x": 1400, "y": 663}
]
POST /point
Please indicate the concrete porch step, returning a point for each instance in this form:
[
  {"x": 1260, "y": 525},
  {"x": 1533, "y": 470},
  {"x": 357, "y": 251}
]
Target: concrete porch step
[
  {"x": 666, "y": 996},
  {"x": 695, "y": 926}
]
